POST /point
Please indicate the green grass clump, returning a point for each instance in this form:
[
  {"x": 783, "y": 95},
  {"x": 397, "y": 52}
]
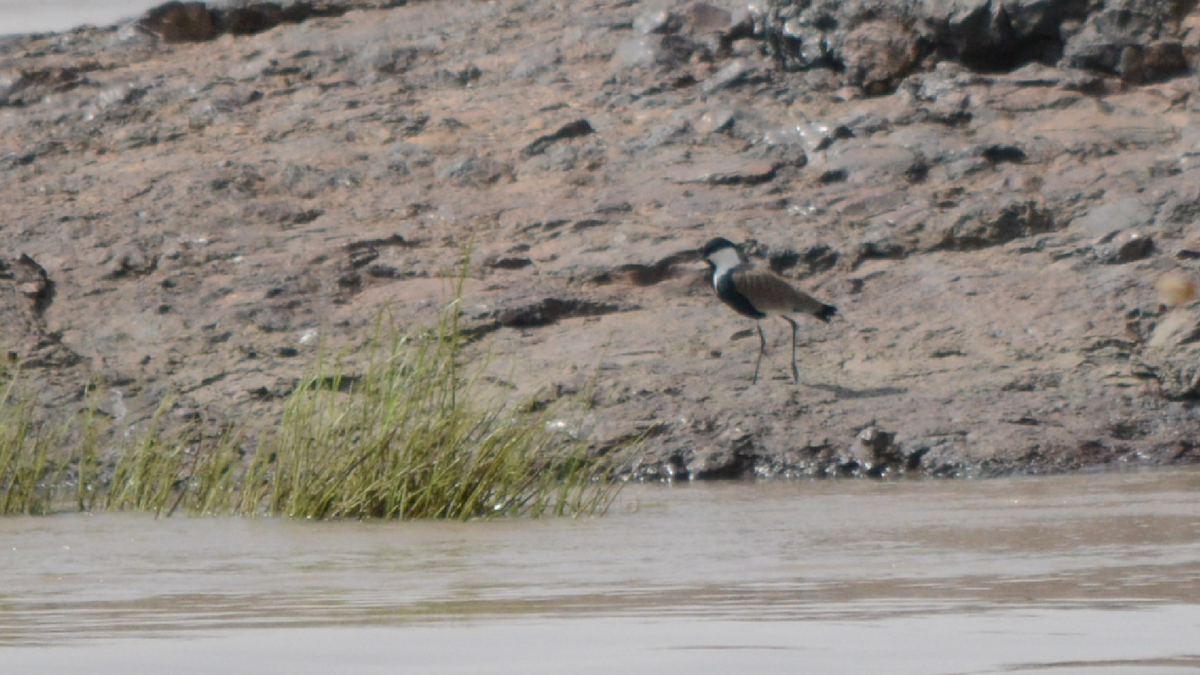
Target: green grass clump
[
  {"x": 412, "y": 436},
  {"x": 409, "y": 438},
  {"x": 24, "y": 455}
]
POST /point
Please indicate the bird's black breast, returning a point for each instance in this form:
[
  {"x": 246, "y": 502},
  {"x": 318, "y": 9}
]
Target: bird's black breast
[{"x": 728, "y": 293}]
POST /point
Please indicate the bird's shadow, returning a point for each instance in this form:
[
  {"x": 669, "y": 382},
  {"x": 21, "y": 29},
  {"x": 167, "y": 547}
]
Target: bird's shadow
[{"x": 846, "y": 392}]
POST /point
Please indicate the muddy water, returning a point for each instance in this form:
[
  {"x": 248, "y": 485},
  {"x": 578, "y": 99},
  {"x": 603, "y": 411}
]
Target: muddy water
[{"x": 1083, "y": 574}]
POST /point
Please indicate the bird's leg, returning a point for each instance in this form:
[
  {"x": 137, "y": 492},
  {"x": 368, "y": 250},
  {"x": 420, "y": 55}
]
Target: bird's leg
[
  {"x": 795, "y": 370},
  {"x": 762, "y": 347}
]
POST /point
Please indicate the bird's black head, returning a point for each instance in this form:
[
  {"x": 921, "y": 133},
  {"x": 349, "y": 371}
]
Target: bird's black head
[{"x": 715, "y": 245}]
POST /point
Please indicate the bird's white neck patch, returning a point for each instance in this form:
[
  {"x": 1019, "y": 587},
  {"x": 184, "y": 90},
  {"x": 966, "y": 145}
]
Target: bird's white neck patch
[{"x": 724, "y": 260}]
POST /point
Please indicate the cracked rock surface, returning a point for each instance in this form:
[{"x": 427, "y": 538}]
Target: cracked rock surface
[{"x": 198, "y": 202}]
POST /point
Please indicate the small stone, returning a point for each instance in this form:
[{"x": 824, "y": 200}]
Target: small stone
[
  {"x": 1126, "y": 246},
  {"x": 715, "y": 121},
  {"x": 1175, "y": 289},
  {"x": 112, "y": 404},
  {"x": 715, "y": 463},
  {"x": 653, "y": 21},
  {"x": 636, "y": 53}
]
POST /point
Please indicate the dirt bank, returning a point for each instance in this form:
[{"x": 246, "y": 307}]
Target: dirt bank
[{"x": 195, "y": 204}]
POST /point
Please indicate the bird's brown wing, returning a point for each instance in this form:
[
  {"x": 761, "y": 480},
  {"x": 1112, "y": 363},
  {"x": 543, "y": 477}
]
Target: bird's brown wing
[{"x": 770, "y": 292}]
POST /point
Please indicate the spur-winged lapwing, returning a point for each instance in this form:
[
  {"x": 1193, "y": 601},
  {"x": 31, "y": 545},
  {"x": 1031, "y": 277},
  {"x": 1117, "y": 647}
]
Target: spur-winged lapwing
[{"x": 756, "y": 293}]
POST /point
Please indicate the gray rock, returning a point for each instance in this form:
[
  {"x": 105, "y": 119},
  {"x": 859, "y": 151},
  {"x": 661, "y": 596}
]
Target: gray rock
[
  {"x": 474, "y": 171},
  {"x": 727, "y": 172},
  {"x": 867, "y": 162},
  {"x": 1104, "y": 220},
  {"x": 640, "y": 52},
  {"x": 738, "y": 72},
  {"x": 535, "y": 64},
  {"x": 112, "y": 404},
  {"x": 657, "y": 20}
]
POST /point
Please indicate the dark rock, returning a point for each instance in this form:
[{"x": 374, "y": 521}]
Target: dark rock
[
  {"x": 705, "y": 24},
  {"x": 994, "y": 37},
  {"x": 508, "y": 263},
  {"x": 26, "y": 293},
  {"x": 713, "y": 464},
  {"x": 198, "y": 22},
  {"x": 254, "y": 18},
  {"x": 876, "y": 451},
  {"x": 1125, "y": 38},
  {"x": 1124, "y": 247},
  {"x": 393, "y": 240},
  {"x": 878, "y": 54},
  {"x": 1158, "y": 61},
  {"x": 878, "y": 249},
  {"x": 833, "y": 176},
  {"x": 33, "y": 282},
  {"x": 569, "y": 130},
  {"x": 587, "y": 223},
  {"x": 819, "y": 258},
  {"x": 183, "y": 22},
  {"x": 381, "y": 271},
  {"x": 1138, "y": 39},
  {"x": 1003, "y": 153}
]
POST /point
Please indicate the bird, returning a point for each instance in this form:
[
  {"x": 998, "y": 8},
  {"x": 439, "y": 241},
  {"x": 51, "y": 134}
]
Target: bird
[{"x": 757, "y": 293}]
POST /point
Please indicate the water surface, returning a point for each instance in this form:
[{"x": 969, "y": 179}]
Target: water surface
[{"x": 1095, "y": 574}]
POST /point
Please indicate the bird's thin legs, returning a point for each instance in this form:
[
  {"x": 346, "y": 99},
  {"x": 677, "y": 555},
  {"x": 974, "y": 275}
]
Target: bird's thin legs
[
  {"x": 795, "y": 370},
  {"x": 762, "y": 347}
]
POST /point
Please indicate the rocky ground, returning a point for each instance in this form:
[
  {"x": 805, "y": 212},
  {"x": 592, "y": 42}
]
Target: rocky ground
[{"x": 197, "y": 202}]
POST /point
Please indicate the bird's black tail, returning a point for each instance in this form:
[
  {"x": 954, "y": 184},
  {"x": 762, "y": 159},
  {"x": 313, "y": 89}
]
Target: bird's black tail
[{"x": 826, "y": 313}]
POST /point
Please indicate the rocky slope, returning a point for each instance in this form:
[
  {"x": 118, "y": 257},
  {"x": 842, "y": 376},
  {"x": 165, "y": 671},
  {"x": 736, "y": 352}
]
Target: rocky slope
[{"x": 196, "y": 203}]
